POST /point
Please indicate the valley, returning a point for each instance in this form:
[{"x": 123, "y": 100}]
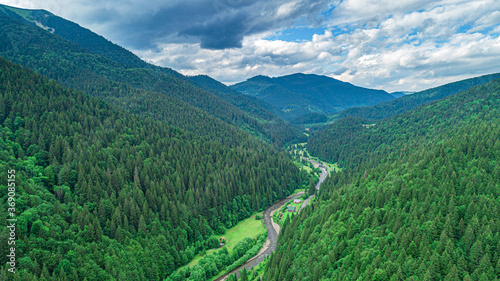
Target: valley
[
  {"x": 273, "y": 228},
  {"x": 272, "y": 234},
  {"x": 295, "y": 166}
]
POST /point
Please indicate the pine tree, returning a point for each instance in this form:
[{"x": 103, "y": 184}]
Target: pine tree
[
  {"x": 312, "y": 187},
  {"x": 244, "y": 274}
]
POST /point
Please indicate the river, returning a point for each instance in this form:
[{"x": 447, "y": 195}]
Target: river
[{"x": 273, "y": 229}]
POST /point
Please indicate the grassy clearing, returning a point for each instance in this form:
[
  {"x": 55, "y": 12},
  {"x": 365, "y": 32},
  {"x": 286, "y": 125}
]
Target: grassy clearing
[
  {"x": 335, "y": 167},
  {"x": 306, "y": 168},
  {"x": 196, "y": 259},
  {"x": 288, "y": 214},
  {"x": 26, "y": 14},
  {"x": 246, "y": 228},
  {"x": 298, "y": 190}
]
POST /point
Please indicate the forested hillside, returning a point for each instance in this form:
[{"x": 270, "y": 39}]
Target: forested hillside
[
  {"x": 352, "y": 141},
  {"x": 269, "y": 122},
  {"x": 245, "y": 103},
  {"x": 300, "y": 94},
  {"x": 418, "y": 199},
  {"x": 115, "y": 75},
  {"x": 104, "y": 194},
  {"x": 76, "y": 34},
  {"x": 408, "y": 102}
]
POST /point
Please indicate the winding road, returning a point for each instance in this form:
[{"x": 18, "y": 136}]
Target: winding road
[
  {"x": 273, "y": 229},
  {"x": 325, "y": 169}
]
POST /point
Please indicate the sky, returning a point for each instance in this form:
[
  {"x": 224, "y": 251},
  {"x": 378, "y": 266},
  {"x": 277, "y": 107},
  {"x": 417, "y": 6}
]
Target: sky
[{"x": 403, "y": 45}]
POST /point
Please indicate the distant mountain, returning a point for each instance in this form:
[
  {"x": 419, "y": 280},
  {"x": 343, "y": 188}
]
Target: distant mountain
[
  {"x": 407, "y": 102},
  {"x": 79, "y": 58},
  {"x": 400, "y": 94},
  {"x": 300, "y": 94},
  {"x": 310, "y": 118},
  {"x": 270, "y": 122},
  {"x": 250, "y": 105}
]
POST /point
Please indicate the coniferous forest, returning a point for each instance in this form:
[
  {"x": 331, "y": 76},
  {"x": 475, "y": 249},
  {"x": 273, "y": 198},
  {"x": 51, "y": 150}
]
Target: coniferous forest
[
  {"x": 118, "y": 169},
  {"x": 157, "y": 92},
  {"x": 104, "y": 194},
  {"x": 418, "y": 200}
]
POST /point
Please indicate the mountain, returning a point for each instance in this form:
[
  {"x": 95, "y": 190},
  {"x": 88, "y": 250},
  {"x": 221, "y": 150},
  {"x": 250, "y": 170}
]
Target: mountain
[
  {"x": 351, "y": 140},
  {"x": 310, "y": 118},
  {"x": 100, "y": 190},
  {"x": 117, "y": 165},
  {"x": 400, "y": 94},
  {"x": 81, "y": 36},
  {"x": 248, "y": 104},
  {"x": 417, "y": 199},
  {"x": 78, "y": 58},
  {"x": 407, "y": 102},
  {"x": 258, "y": 109},
  {"x": 300, "y": 94}
]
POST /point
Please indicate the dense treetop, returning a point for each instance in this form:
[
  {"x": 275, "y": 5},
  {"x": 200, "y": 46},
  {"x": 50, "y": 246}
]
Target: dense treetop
[
  {"x": 418, "y": 199},
  {"x": 101, "y": 190}
]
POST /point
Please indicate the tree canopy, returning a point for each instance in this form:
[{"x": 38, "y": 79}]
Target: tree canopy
[
  {"x": 107, "y": 194},
  {"x": 418, "y": 198}
]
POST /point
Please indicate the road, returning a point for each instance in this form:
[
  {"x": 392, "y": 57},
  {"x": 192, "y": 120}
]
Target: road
[
  {"x": 273, "y": 229},
  {"x": 325, "y": 169}
]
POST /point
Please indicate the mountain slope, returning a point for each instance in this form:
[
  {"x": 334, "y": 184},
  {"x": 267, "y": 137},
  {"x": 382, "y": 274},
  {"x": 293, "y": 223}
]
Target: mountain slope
[
  {"x": 239, "y": 100},
  {"x": 81, "y": 67},
  {"x": 420, "y": 203},
  {"x": 408, "y": 102},
  {"x": 352, "y": 141},
  {"x": 280, "y": 131},
  {"x": 101, "y": 190},
  {"x": 300, "y": 94},
  {"x": 400, "y": 94}
]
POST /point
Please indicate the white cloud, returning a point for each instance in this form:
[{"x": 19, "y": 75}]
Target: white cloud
[
  {"x": 414, "y": 45},
  {"x": 394, "y": 45},
  {"x": 286, "y": 9}
]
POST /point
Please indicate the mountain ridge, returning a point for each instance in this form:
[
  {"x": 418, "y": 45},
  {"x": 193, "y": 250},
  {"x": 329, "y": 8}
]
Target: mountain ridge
[
  {"x": 95, "y": 180},
  {"x": 20, "y": 38},
  {"x": 407, "y": 102},
  {"x": 416, "y": 200},
  {"x": 300, "y": 94}
]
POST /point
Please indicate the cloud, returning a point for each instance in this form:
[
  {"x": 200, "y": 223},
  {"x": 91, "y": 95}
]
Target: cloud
[
  {"x": 215, "y": 24},
  {"x": 405, "y": 50},
  {"x": 220, "y": 32},
  {"x": 395, "y": 45}
]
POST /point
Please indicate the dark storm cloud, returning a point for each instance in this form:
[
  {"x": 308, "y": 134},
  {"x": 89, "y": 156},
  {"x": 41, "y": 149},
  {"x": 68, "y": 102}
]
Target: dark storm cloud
[
  {"x": 216, "y": 24},
  {"x": 220, "y": 32}
]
